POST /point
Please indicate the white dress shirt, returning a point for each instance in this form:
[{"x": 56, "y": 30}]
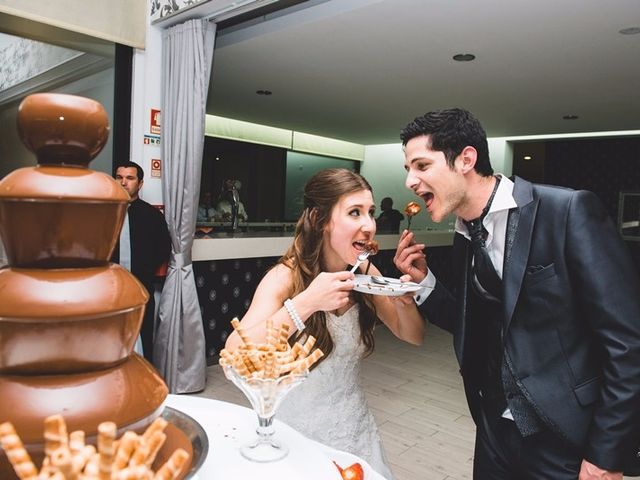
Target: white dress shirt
[{"x": 495, "y": 222}]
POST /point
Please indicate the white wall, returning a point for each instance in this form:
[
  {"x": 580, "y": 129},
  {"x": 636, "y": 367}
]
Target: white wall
[
  {"x": 146, "y": 95},
  {"x": 383, "y": 167}
]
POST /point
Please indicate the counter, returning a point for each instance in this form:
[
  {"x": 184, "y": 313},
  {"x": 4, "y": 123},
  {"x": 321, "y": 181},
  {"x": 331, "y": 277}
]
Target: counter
[{"x": 239, "y": 245}]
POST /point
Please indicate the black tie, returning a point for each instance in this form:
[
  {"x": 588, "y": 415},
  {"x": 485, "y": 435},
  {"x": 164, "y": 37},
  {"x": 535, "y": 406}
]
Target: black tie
[{"x": 482, "y": 266}]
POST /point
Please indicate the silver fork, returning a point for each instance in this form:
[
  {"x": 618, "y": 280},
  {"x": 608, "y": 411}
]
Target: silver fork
[{"x": 362, "y": 256}]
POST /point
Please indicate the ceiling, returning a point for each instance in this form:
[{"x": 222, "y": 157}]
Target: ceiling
[{"x": 359, "y": 70}]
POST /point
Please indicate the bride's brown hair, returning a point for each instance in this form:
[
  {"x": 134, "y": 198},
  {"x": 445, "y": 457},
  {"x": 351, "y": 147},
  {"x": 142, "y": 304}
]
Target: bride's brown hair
[{"x": 304, "y": 257}]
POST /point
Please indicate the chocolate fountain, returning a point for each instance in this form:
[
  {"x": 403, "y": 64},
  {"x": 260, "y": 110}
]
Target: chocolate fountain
[{"x": 68, "y": 318}]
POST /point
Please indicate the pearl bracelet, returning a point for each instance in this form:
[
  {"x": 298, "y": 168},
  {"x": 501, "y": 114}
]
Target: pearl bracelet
[{"x": 291, "y": 310}]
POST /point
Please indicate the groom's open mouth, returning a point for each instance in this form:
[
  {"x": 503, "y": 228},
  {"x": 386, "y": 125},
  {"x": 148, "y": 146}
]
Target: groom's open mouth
[{"x": 428, "y": 199}]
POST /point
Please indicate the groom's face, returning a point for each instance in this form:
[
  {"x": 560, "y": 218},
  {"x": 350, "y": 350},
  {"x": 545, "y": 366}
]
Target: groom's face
[{"x": 429, "y": 176}]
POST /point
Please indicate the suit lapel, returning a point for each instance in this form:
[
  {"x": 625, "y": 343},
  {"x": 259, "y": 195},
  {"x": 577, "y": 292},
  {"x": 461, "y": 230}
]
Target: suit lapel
[{"x": 517, "y": 250}]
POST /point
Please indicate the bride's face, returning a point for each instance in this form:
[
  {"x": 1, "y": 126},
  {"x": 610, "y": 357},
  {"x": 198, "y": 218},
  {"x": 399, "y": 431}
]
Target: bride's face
[{"x": 352, "y": 223}]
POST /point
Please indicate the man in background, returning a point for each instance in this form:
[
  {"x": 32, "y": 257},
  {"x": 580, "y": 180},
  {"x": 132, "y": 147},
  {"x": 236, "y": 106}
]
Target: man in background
[
  {"x": 389, "y": 219},
  {"x": 144, "y": 244}
]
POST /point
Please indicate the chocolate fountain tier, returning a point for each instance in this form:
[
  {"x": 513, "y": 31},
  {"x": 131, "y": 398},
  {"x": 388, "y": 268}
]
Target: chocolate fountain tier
[
  {"x": 63, "y": 129},
  {"x": 130, "y": 394},
  {"x": 67, "y": 320},
  {"x": 52, "y": 216}
]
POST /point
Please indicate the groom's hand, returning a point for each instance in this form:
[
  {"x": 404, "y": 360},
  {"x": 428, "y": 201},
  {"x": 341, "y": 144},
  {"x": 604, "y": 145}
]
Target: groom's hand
[
  {"x": 588, "y": 471},
  {"x": 410, "y": 258}
]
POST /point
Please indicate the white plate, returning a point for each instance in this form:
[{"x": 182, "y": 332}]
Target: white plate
[{"x": 391, "y": 287}]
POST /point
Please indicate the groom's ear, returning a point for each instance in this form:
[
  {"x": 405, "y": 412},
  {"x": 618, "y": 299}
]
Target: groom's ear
[{"x": 467, "y": 159}]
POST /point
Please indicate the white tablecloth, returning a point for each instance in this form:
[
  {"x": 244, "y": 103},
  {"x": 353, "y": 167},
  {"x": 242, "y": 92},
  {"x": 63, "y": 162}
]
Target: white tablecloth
[{"x": 229, "y": 426}]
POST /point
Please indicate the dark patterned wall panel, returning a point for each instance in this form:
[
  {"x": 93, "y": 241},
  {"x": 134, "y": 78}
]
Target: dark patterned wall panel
[
  {"x": 225, "y": 289},
  {"x": 604, "y": 165}
]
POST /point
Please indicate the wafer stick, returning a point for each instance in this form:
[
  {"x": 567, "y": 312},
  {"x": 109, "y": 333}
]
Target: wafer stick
[
  {"x": 283, "y": 335},
  {"x": 16, "y": 453},
  {"x": 126, "y": 447},
  {"x": 172, "y": 468},
  {"x": 80, "y": 460},
  {"x": 155, "y": 443},
  {"x": 270, "y": 365},
  {"x": 236, "y": 325},
  {"x": 308, "y": 345},
  {"x": 139, "y": 472},
  {"x": 271, "y": 337},
  {"x": 306, "y": 363},
  {"x": 106, "y": 450},
  {"x": 140, "y": 454},
  {"x": 158, "y": 425},
  {"x": 76, "y": 441},
  {"x": 55, "y": 433},
  {"x": 61, "y": 460}
]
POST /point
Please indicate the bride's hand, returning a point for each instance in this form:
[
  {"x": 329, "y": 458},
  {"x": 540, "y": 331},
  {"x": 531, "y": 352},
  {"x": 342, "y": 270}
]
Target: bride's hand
[{"x": 328, "y": 291}]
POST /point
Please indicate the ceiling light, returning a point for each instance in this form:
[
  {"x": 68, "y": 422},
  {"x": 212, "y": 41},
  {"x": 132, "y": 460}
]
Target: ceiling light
[
  {"x": 264, "y": 92},
  {"x": 570, "y": 117},
  {"x": 464, "y": 57},
  {"x": 630, "y": 31},
  {"x": 527, "y": 157}
]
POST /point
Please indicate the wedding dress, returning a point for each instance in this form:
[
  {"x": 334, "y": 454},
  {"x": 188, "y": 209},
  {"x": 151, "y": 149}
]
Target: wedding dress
[{"x": 329, "y": 406}]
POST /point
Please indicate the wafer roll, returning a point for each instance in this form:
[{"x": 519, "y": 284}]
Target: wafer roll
[
  {"x": 172, "y": 468},
  {"x": 296, "y": 350},
  {"x": 61, "y": 460},
  {"x": 155, "y": 443},
  {"x": 238, "y": 328},
  {"x": 126, "y": 447},
  {"x": 270, "y": 365},
  {"x": 158, "y": 425},
  {"x": 92, "y": 467},
  {"x": 271, "y": 334},
  {"x": 76, "y": 441},
  {"x": 140, "y": 454},
  {"x": 80, "y": 460},
  {"x": 283, "y": 335},
  {"x": 55, "y": 433},
  {"x": 308, "y": 361},
  {"x": 106, "y": 450},
  {"x": 139, "y": 472},
  {"x": 16, "y": 453},
  {"x": 308, "y": 345}
]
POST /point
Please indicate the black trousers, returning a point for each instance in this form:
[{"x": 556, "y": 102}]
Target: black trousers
[{"x": 501, "y": 453}]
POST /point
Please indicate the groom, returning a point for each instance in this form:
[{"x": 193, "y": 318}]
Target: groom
[{"x": 545, "y": 310}]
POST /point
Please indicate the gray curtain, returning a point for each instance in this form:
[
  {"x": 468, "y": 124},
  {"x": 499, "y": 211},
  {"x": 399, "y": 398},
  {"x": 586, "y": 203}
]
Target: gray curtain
[{"x": 179, "y": 345}]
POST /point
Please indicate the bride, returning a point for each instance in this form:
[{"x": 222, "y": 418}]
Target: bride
[{"x": 311, "y": 290}]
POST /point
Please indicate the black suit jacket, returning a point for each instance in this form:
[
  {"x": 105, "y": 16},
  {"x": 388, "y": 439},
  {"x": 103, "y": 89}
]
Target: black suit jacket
[
  {"x": 571, "y": 320},
  {"x": 150, "y": 242}
]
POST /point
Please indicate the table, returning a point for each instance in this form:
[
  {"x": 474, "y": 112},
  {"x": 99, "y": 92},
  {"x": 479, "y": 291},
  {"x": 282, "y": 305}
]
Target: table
[{"x": 229, "y": 426}]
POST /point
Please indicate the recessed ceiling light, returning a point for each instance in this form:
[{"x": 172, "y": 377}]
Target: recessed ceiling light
[
  {"x": 464, "y": 57},
  {"x": 264, "y": 92},
  {"x": 570, "y": 117},
  {"x": 630, "y": 31},
  {"x": 527, "y": 157}
]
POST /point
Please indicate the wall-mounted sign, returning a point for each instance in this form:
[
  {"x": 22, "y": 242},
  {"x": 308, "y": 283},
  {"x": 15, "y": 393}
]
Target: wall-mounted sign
[
  {"x": 156, "y": 167},
  {"x": 152, "y": 140},
  {"x": 155, "y": 122}
]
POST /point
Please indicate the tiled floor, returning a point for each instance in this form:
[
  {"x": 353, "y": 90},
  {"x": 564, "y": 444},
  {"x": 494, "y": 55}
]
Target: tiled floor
[{"x": 416, "y": 396}]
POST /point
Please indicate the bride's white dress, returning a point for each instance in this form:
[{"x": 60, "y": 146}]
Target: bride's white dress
[{"x": 329, "y": 406}]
